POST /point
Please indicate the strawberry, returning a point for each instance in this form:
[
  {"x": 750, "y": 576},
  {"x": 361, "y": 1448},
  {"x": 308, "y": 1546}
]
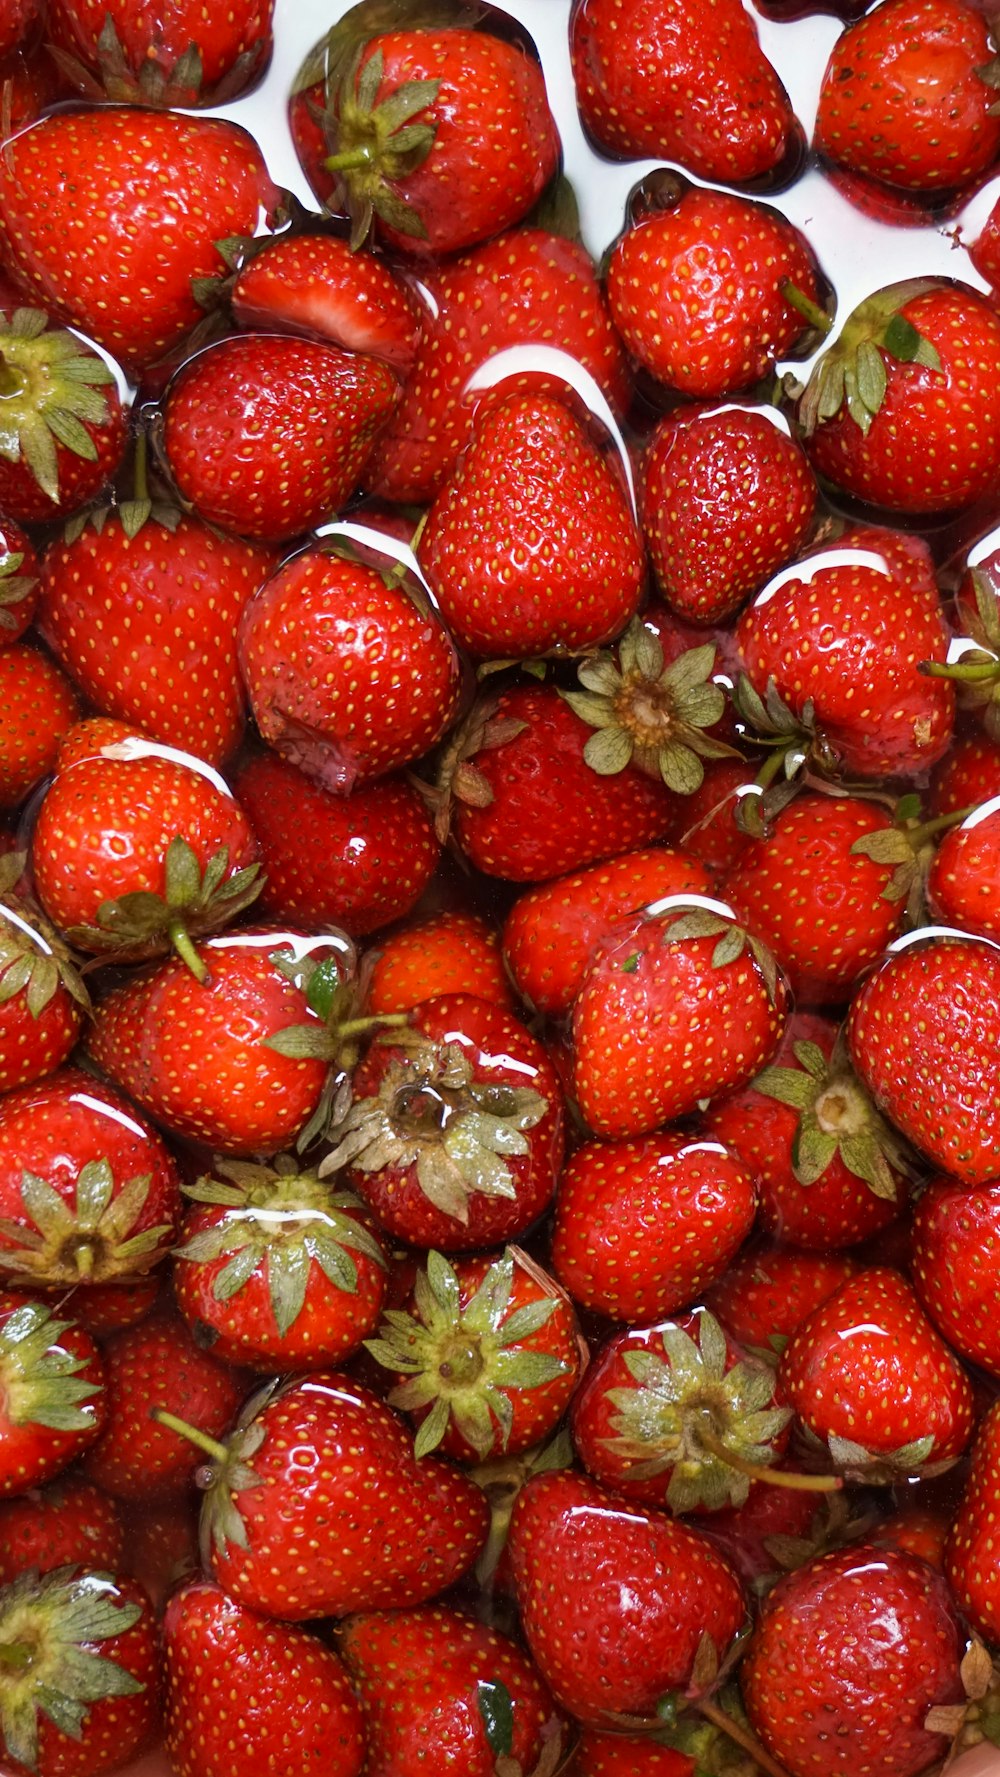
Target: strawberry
[
  {"x": 88, "y": 1191},
  {"x": 19, "y": 20},
  {"x": 53, "y": 1400},
  {"x": 916, "y": 1530},
  {"x": 901, "y": 411},
  {"x": 163, "y": 1545},
  {"x": 968, "y": 774},
  {"x": 81, "y": 1684},
  {"x": 161, "y": 653},
  {"x": 696, "y": 287},
  {"x": 451, "y": 952},
  {"x": 106, "y": 1308},
  {"x": 924, "y": 1035},
  {"x": 530, "y": 546},
  {"x": 350, "y": 675},
  {"x": 441, "y": 1690},
  {"x": 314, "y": 284},
  {"x": 526, "y": 287},
  {"x": 863, "y": 1637},
  {"x": 962, "y": 880},
  {"x": 727, "y": 498},
  {"x": 455, "y": 1134},
  {"x": 119, "y": 52},
  {"x": 551, "y": 931},
  {"x": 316, "y": 1506},
  {"x": 42, "y": 996},
  {"x": 615, "y": 1598},
  {"x": 908, "y": 96},
  {"x": 679, "y": 1005},
  {"x": 68, "y": 1523},
  {"x": 136, "y": 1458},
  {"x": 19, "y": 571},
  {"x": 681, "y": 84},
  {"x": 165, "y": 187},
  {"x": 304, "y": 1709},
  {"x": 278, "y": 1270},
  {"x": 955, "y": 1232},
  {"x": 768, "y": 1291},
  {"x": 485, "y": 1354},
  {"x": 872, "y": 1380},
  {"x": 137, "y": 848},
  {"x": 64, "y": 432},
  {"x": 642, "y": 1226},
  {"x": 37, "y": 705},
  {"x": 863, "y": 707},
  {"x": 708, "y": 829},
  {"x": 268, "y": 435},
  {"x": 629, "y": 1755},
  {"x": 357, "y": 861},
  {"x": 968, "y": 1563},
  {"x": 432, "y": 137}
]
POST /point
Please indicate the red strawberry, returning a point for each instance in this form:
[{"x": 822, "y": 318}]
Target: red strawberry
[
  {"x": 680, "y": 1005},
  {"x": 615, "y": 1599},
  {"x": 349, "y": 674},
  {"x": 916, "y": 1530},
  {"x": 441, "y": 1690},
  {"x": 163, "y": 1544},
  {"x": 435, "y": 138},
  {"x": 64, "y": 433},
  {"x": 314, "y": 284},
  {"x": 42, "y": 996},
  {"x": 278, "y": 1269},
  {"x": 906, "y": 96},
  {"x": 37, "y": 705},
  {"x": 866, "y": 1638},
  {"x": 527, "y": 287},
  {"x": 304, "y": 1709},
  {"x": 68, "y": 1523},
  {"x": 768, "y": 1292},
  {"x": 968, "y": 774},
  {"x": 161, "y": 653},
  {"x": 451, "y": 952},
  {"x": 88, "y": 1191},
  {"x": 19, "y": 570},
  {"x": 81, "y": 1685},
  {"x": 969, "y": 1564},
  {"x": 19, "y": 20},
  {"x": 189, "y": 58},
  {"x": 727, "y": 499},
  {"x": 164, "y": 189},
  {"x": 683, "y": 84},
  {"x": 708, "y": 829},
  {"x": 530, "y": 546},
  {"x": 956, "y": 1229},
  {"x": 53, "y": 1400},
  {"x": 356, "y": 861},
  {"x": 642, "y": 1226},
  {"x": 872, "y": 1380},
  {"x": 696, "y": 288},
  {"x": 106, "y": 1308},
  {"x": 962, "y": 880},
  {"x": 157, "y": 1361},
  {"x": 268, "y": 435},
  {"x": 629, "y": 1755}
]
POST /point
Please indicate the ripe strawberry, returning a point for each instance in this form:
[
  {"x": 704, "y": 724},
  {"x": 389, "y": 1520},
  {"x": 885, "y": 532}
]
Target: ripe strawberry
[
  {"x": 924, "y": 1035},
  {"x": 679, "y": 1005},
  {"x": 526, "y": 287},
  {"x": 727, "y": 498},
  {"x": 968, "y": 774},
  {"x": 163, "y": 188},
  {"x": 37, "y": 705},
  {"x": 19, "y": 570},
  {"x": 53, "y": 1399},
  {"x": 64, "y": 432},
  {"x": 81, "y": 1686},
  {"x": 320, "y": 1465},
  {"x": 278, "y": 1270},
  {"x": 968, "y": 1563},
  {"x": 157, "y": 1361},
  {"x": 615, "y": 1599},
  {"x": 872, "y": 1380},
  {"x": 119, "y": 52},
  {"x": 683, "y": 84},
  {"x": 863, "y": 707},
  {"x": 88, "y": 1191},
  {"x": 442, "y": 1691},
  {"x": 530, "y": 546},
  {"x": 268, "y": 435},
  {"x": 161, "y": 653},
  {"x": 42, "y": 997},
  {"x": 962, "y": 880},
  {"x": 901, "y": 411},
  {"x": 863, "y": 1637},
  {"x": 350, "y": 674},
  {"x": 17, "y": 25},
  {"x": 451, "y": 952},
  {"x": 68, "y": 1523},
  {"x": 708, "y": 827},
  {"x": 629, "y": 1755},
  {"x": 356, "y": 861},
  {"x": 907, "y": 96},
  {"x": 768, "y": 1291},
  {"x": 455, "y": 1133},
  {"x": 163, "y": 1545},
  {"x": 916, "y": 1530},
  {"x": 696, "y": 287},
  {"x": 642, "y": 1226},
  {"x": 106, "y": 1308},
  {"x": 314, "y": 284},
  {"x": 956, "y": 1229},
  {"x": 433, "y": 138},
  {"x": 304, "y": 1709}
]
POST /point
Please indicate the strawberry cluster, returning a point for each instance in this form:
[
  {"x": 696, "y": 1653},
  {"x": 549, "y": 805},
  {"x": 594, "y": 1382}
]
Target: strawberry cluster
[{"x": 499, "y": 902}]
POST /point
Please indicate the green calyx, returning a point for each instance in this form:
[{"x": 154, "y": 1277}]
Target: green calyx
[
  {"x": 650, "y": 715},
  {"x": 884, "y": 1467},
  {"x": 852, "y": 372},
  {"x": 14, "y": 587},
  {"x": 48, "y": 1628},
  {"x": 226, "y": 1471},
  {"x": 976, "y": 1720},
  {"x": 976, "y": 674},
  {"x": 733, "y": 941},
  {"x": 88, "y": 1242},
  {"x": 462, "y": 1362},
  {"x": 379, "y": 143},
  {"x": 34, "y": 961},
  {"x": 837, "y": 1119},
  {"x": 193, "y": 904},
  {"x": 706, "y": 1421},
  {"x": 283, "y": 1219},
  {"x": 50, "y": 388},
  {"x": 496, "y": 1712},
  {"x": 431, "y": 1113},
  {"x": 40, "y": 1382}
]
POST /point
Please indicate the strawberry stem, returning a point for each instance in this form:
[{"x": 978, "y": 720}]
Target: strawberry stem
[
  {"x": 774, "y": 1477},
  {"x": 739, "y": 1735},
  {"x": 804, "y": 306},
  {"x": 361, "y": 156},
  {"x": 970, "y": 672},
  {"x": 180, "y": 938},
  {"x": 200, "y": 1439}
]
